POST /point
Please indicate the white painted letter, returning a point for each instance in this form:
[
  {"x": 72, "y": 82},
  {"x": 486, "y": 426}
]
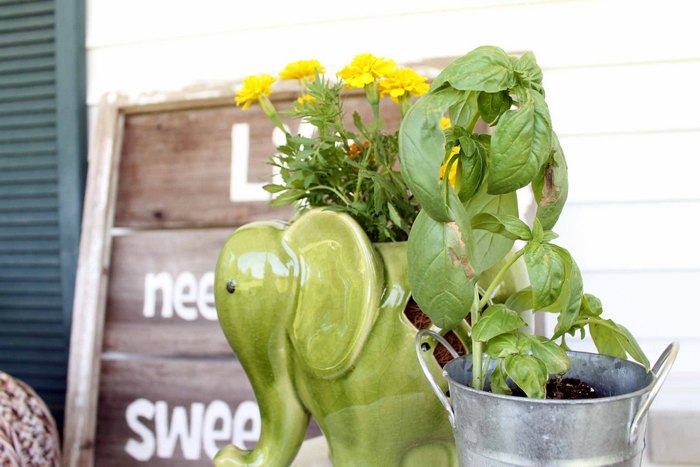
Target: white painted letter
[
  {"x": 185, "y": 292},
  {"x": 217, "y": 410},
  {"x": 153, "y": 283},
  {"x": 167, "y": 437},
  {"x": 205, "y": 296},
  {"x": 140, "y": 450},
  {"x": 246, "y": 411},
  {"x": 241, "y": 189}
]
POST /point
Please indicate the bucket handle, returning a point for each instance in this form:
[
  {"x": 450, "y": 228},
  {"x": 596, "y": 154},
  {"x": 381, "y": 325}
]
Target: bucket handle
[
  {"x": 426, "y": 371},
  {"x": 660, "y": 370}
]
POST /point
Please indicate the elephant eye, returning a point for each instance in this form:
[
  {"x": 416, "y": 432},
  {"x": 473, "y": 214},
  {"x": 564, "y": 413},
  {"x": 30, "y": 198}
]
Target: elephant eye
[{"x": 231, "y": 286}]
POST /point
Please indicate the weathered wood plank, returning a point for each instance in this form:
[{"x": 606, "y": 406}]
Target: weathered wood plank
[
  {"x": 160, "y": 298},
  {"x": 176, "y": 166},
  {"x": 203, "y": 404}
]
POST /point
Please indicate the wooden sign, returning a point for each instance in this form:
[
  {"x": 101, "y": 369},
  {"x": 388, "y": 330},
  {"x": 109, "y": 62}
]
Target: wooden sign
[{"x": 152, "y": 380}]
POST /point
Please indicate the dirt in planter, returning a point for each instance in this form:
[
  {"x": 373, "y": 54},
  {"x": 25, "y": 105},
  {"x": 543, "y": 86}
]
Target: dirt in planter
[
  {"x": 421, "y": 321},
  {"x": 566, "y": 388}
]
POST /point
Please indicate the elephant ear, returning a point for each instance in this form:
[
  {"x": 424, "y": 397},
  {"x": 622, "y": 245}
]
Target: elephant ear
[{"x": 341, "y": 283}]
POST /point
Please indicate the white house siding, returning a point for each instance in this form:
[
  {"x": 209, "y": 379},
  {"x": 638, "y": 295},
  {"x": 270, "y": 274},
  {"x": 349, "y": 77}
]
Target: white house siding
[{"x": 621, "y": 80}]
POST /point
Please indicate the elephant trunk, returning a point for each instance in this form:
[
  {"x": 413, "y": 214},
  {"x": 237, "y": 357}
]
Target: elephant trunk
[{"x": 284, "y": 422}]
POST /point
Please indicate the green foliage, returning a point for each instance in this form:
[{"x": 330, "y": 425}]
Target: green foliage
[
  {"x": 351, "y": 171},
  {"x": 474, "y": 219}
]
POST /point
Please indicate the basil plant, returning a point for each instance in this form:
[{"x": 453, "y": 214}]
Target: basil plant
[{"x": 466, "y": 183}]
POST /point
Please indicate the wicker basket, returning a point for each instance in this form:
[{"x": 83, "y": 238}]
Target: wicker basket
[{"x": 28, "y": 434}]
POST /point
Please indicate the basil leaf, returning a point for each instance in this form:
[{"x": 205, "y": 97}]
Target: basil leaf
[
  {"x": 486, "y": 68},
  {"x": 272, "y": 188},
  {"x": 551, "y": 186},
  {"x": 493, "y": 104},
  {"x": 508, "y": 226},
  {"x": 615, "y": 340},
  {"x": 606, "y": 340},
  {"x": 528, "y": 72},
  {"x": 502, "y": 346},
  {"x": 421, "y": 150},
  {"x": 553, "y": 356},
  {"x": 521, "y": 144},
  {"x": 521, "y": 300},
  {"x": 569, "y": 303},
  {"x": 591, "y": 306},
  {"x": 490, "y": 247},
  {"x": 548, "y": 236},
  {"x": 465, "y": 113},
  {"x": 471, "y": 168},
  {"x": 529, "y": 373},
  {"x": 496, "y": 320},
  {"x": 441, "y": 278},
  {"x": 498, "y": 381},
  {"x": 545, "y": 268}
]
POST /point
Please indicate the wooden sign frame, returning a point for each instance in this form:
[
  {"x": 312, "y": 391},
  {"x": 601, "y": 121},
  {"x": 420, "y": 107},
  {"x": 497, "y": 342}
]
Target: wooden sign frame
[{"x": 94, "y": 262}]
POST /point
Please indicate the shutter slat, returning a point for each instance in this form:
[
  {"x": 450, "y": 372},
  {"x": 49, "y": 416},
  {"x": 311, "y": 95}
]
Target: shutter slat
[
  {"x": 24, "y": 9},
  {"x": 23, "y": 232},
  {"x": 34, "y": 189},
  {"x": 27, "y": 162},
  {"x": 35, "y": 106},
  {"x": 28, "y": 23},
  {"x": 27, "y": 79},
  {"x": 22, "y": 261},
  {"x": 28, "y": 135},
  {"x": 27, "y": 120},
  {"x": 20, "y": 37},
  {"x": 30, "y": 246},
  {"x": 28, "y": 204},
  {"x": 46, "y": 217},
  {"x": 24, "y": 64},
  {"x": 10, "y": 177},
  {"x": 27, "y": 149},
  {"x": 25, "y": 286},
  {"x": 31, "y": 92},
  {"x": 34, "y": 370},
  {"x": 26, "y": 51},
  {"x": 29, "y": 317}
]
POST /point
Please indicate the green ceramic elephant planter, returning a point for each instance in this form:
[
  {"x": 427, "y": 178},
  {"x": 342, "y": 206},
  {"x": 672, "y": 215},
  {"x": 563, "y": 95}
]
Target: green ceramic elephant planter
[{"x": 314, "y": 312}]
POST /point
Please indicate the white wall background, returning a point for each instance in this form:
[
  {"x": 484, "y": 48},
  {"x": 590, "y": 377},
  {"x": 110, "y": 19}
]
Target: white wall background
[{"x": 622, "y": 84}]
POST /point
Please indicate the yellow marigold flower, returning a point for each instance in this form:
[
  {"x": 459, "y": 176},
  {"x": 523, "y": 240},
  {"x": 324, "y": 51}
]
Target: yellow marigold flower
[
  {"x": 403, "y": 82},
  {"x": 253, "y": 88},
  {"x": 445, "y": 123},
  {"x": 453, "y": 170},
  {"x": 302, "y": 69},
  {"x": 364, "y": 69},
  {"x": 305, "y": 98}
]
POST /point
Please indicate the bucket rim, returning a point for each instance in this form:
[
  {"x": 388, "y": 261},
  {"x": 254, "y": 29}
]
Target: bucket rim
[{"x": 598, "y": 400}]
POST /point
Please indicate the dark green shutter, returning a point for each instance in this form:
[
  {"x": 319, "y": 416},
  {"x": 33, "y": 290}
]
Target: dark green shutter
[{"x": 42, "y": 159}]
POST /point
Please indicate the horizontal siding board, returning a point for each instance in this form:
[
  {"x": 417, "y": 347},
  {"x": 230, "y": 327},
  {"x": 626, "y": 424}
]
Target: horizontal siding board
[
  {"x": 638, "y": 299},
  {"x": 629, "y": 237},
  {"x": 632, "y": 168}
]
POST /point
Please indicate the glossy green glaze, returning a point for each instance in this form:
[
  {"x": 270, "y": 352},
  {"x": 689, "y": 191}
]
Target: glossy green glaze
[{"x": 316, "y": 320}]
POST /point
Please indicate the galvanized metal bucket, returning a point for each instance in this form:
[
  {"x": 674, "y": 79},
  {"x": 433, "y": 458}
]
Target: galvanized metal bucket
[{"x": 497, "y": 430}]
